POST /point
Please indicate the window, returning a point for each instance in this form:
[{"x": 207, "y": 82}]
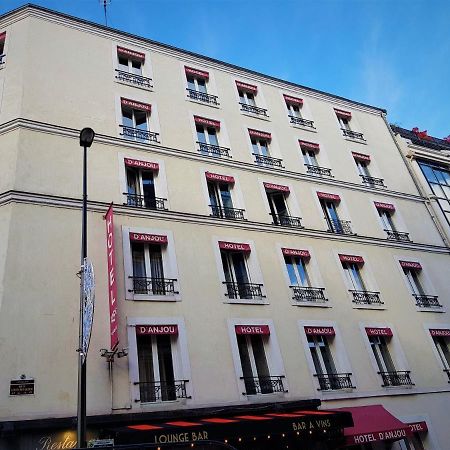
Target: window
[
  {"x": 220, "y": 198},
  {"x": 260, "y": 141},
  {"x": 353, "y": 276},
  {"x": 441, "y": 339},
  {"x": 294, "y": 108},
  {"x": 309, "y": 157},
  {"x": 329, "y": 204},
  {"x": 135, "y": 121},
  {"x": 344, "y": 119},
  {"x": 197, "y": 81},
  {"x": 130, "y": 65},
  {"x": 130, "y": 68},
  {"x": 247, "y": 94},
  {"x": 362, "y": 162},
  {"x": 207, "y": 137},
  {"x": 277, "y": 199},
  {"x": 296, "y": 268},
  {"x": 386, "y": 211},
  {"x": 309, "y": 152}
]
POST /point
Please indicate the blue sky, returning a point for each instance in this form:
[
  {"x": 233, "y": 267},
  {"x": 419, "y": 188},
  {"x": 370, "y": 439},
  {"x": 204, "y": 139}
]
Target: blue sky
[{"x": 394, "y": 54}]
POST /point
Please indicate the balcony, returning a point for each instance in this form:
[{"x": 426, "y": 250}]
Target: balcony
[
  {"x": 2, "y": 57},
  {"x": 133, "y": 78},
  {"x": 253, "y": 109},
  {"x": 372, "y": 181},
  {"x": 143, "y": 201},
  {"x": 302, "y": 122},
  {"x": 334, "y": 381},
  {"x": 447, "y": 371},
  {"x": 244, "y": 291},
  {"x": 153, "y": 286},
  {"x": 366, "y": 298},
  {"x": 263, "y": 385},
  {"x": 353, "y": 134},
  {"x": 161, "y": 391},
  {"x": 137, "y": 134},
  {"x": 317, "y": 170},
  {"x": 286, "y": 221},
  {"x": 427, "y": 301},
  {"x": 202, "y": 97},
  {"x": 308, "y": 294},
  {"x": 268, "y": 161},
  {"x": 213, "y": 150},
  {"x": 227, "y": 213},
  {"x": 397, "y": 378},
  {"x": 398, "y": 236},
  {"x": 339, "y": 226}
]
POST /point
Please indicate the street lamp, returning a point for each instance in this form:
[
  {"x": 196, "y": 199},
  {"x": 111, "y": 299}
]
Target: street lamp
[{"x": 86, "y": 138}]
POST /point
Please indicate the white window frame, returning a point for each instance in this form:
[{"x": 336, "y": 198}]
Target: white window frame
[
  {"x": 169, "y": 264},
  {"x": 437, "y": 326},
  {"x": 341, "y": 208},
  {"x": 210, "y": 84},
  {"x": 353, "y": 125},
  {"x": 222, "y": 134},
  {"x": 180, "y": 357},
  {"x": 259, "y": 99}
]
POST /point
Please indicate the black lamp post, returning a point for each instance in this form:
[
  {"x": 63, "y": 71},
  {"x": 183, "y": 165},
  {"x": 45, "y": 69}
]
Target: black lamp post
[{"x": 86, "y": 138}]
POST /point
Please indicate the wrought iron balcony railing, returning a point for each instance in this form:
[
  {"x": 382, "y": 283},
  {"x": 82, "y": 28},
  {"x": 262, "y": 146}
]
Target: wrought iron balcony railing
[
  {"x": 2, "y": 57},
  {"x": 253, "y": 109},
  {"x": 317, "y": 170},
  {"x": 339, "y": 226},
  {"x": 213, "y": 150},
  {"x": 153, "y": 286},
  {"x": 427, "y": 301},
  {"x": 263, "y": 385},
  {"x": 308, "y": 294},
  {"x": 334, "y": 381},
  {"x": 202, "y": 97},
  {"x": 268, "y": 160},
  {"x": 139, "y": 135},
  {"x": 133, "y": 78},
  {"x": 352, "y": 134},
  {"x": 397, "y": 378},
  {"x": 398, "y": 235},
  {"x": 447, "y": 371},
  {"x": 366, "y": 298},
  {"x": 286, "y": 221},
  {"x": 372, "y": 181},
  {"x": 161, "y": 391},
  {"x": 302, "y": 122},
  {"x": 144, "y": 201},
  {"x": 245, "y": 291},
  {"x": 227, "y": 213}
]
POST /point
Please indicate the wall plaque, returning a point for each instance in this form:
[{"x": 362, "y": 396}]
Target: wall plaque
[{"x": 21, "y": 387}]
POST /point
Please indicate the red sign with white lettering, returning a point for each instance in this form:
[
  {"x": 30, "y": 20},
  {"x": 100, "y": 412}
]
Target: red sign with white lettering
[
  {"x": 156, "y": 329},
  {"x": 112, "y": 283},
  {"x": 385, "y": 206},
  {"x": 208, "y": 122},
  {"x": 136, "y": 105},
  {"x": 361, "y": 156},
  {"x": 320, "y": 331},
  {"x": 295, "y": 252},
  {"x": 293, "y": 100},
  {"x": 351, "y": 258},
  {"x": 234, "y": 247},
  {"x": 443, "y": 332},
  {"x": 379, "y": 331},
  {"x": 216, "y": 177},
  {"x": 326, "y": 196},
  {"x": 141, "y": 164},
  {"x": 2, "y": 36},
  {"x": 418, "y": 427},
  {"x": 259, "y": 134},
  {"x": 196, "y": 72},
  {"x": 309, "y": 145},
  {"x": 276, "y": 187},
  {"x": 252, "y": 329},
  {"x": 410, "y": 265},
  {"x": 343, "y": 114},
  {"x": 150, "y": 238},
  {"x": 246, "y": 87},
  {"x": 138, "y": 56}
]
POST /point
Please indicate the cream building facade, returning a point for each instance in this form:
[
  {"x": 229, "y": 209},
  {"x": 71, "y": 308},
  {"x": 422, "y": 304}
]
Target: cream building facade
[{"x": 271, "y": 247}]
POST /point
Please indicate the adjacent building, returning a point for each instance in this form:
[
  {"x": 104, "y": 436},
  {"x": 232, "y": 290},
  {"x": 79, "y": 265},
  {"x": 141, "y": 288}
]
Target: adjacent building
[{"x": 269, "y": 275}]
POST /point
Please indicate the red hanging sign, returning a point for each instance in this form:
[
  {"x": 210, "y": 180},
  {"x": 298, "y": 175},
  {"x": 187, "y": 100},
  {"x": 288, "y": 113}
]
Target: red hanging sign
[
  {"x": 112, "y": 283},
  {"x": 295, "y": 252},
  {"x": 293, "y": 100},
  {"x": 196, "y": 73},
  {"x": 136, "y": 105},
  {"x": 141, "y": 164},
  {"x": 259, "y": 134},
  {"x": 247, "y": 87},
  {"x": 138, "y": 56},
  {"x": 326, "y": 196},
  {"x": 410, "y": 265},
  {"x": 216, "y": 177},
  {"x": 156, "y": 329},
  {"x": 277, "y": 187},
  {"x": 385, "y": 206},
  {"x": 320, "y": 331},
  {"x": 379, "y": 332},
  {"x": 343, "y": 114},
  {"x": 2, "y": 36},
  {"x": 361, "y": 156},
  {"x": 150, "y": 238},
  {"x": 442, "y": 332},
  {"x": 351, "y": 259},
  {"x": 252, "y": 329},
  {"x": 232, "y": 246},
  {"x": 309, "y": 145},
  {"x": 208, "y": 122}
]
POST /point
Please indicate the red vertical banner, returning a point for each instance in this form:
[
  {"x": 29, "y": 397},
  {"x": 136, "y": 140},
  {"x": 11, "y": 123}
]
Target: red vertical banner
[{"x": 112, "y": 283}]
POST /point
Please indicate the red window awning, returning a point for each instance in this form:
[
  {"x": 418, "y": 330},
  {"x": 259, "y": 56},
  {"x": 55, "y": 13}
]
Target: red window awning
[
  {"x": 442, "y": 332},
  {"x": 136, "y": 105},
  {"x": 343, "y": 114},
  {"x": 373, "y": 424},
  {"x": 2, "y": 36},
  {"x": 246, "y": 87},
  {"x": 217, "y": 177},
  {"x": 293, "y": 100},
  {"x": 361, "y": 157},
  {"x": 156, "y": 329},
  {"x": 252, "y": 329},
  {"x": 327, "y": 196},
  {"x": 305, "y": 145},
  {"x": 196, "y": 73},
  {"x": 276, "y": 187},
  {"x": 149, "y": 238},
  {"x": 351, "y": 259},
  {"x": 384, "y": 206},
  {"x": 296, "y": 252},
  {"x": 130, "y": 54},
  {"x": 320, "y": 331},
  {"x": 410, "y": 265},
  {"x": 233, "y": 246},
  {"x": 259, "y": 134},
  {"x": 141, "y": 164},
  {"x": 208, "y": 122},
  {"x": 379, "y": 331}
]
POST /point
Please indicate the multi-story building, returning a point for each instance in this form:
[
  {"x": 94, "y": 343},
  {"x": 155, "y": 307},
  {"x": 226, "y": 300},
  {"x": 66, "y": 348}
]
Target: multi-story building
[{"x": 273, "y": 254}]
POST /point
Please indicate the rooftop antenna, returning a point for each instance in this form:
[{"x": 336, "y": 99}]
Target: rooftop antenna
[{"x": 105, "y": 3}]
